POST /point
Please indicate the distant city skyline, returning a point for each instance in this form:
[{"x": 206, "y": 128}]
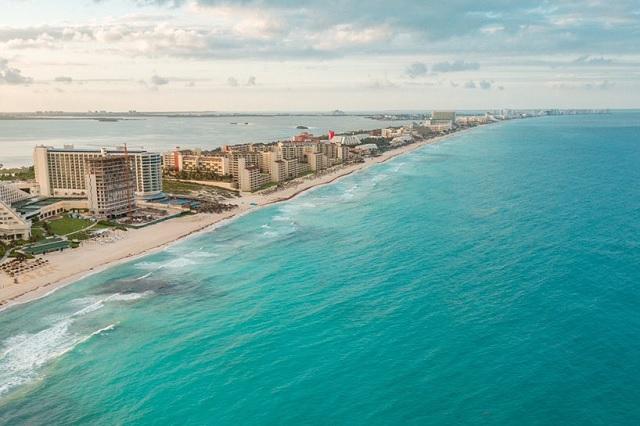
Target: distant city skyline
[{"x": 312, "y": 55}]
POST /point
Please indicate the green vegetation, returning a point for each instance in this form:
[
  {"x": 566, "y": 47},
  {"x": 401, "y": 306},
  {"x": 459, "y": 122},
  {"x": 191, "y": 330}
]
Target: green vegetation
[
  {"x": 67, "y": 225},
  {"x": 37, "y": 234},
  {"x": 80, "y": 236},
  {"x": 266, "y": 185},
  {"x": 201, "y": 175},
  {"x": 22, "y": 173},
  {"x": 176, "y": 187},
  {"x": 103, "y": 224},
  {"x": 186, "y": 188}
]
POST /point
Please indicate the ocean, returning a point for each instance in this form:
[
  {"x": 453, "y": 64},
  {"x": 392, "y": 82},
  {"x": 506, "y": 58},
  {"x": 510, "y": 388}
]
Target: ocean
[
  {"x": 18, "y": 137},
  {"x": 490, "y": 279}
]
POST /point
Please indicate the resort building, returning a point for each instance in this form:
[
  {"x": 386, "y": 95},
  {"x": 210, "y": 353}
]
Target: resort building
[
  {"x": 13, "y": 226},
  {"x": 391, "y": 132},
  {"x": 366, "y": 149},
  {"x": 350, "y": 140},
  {"x": 61, "y": 172},
  {"x": 46, "y": 208},
  {"x": 401, "y": 140},
  {"x": 110, "y": 185},
  {"x": 197, "y": 161},
  {"x": 442, "y": 121},
  {"x": 250, "y": 178}
]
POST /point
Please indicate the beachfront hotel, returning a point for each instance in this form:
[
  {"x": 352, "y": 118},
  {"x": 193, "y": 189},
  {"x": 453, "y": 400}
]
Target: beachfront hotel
[
  {"x": 441, "y": 121},
  {"x": 13, "y": 226},
  {"x": 252, "y": 166},
  {"x": 196, "y": 161},
  {"x": 110, "y": 185},
  {"x": 61, "y": 172}
]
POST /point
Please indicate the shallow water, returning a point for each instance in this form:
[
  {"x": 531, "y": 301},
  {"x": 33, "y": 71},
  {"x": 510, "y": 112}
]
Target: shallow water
[{"x": 490, "y": 279}]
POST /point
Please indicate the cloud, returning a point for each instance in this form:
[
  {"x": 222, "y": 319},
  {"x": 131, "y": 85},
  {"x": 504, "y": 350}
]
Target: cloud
[
  {"x": 576, "y": 84},
  {"x": 455, "y": 66},
  {"x": 156, "y": 80},
  {"x": 12, "y": 76},
  {"x": 482, "y": 84},
  {"x": 417, "y": 69},
  {"x": 485, "y": 84},
  {"x": 589, "y": 60},
  {"x": 63, "y": 79},
  {"x": 282, "y": 29},
  {"x": 600, "y": 85},
  {"x": 381, "y": 84}
]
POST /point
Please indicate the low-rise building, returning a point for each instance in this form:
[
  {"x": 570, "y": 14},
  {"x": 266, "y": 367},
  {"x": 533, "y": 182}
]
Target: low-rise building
[
  {"x": 349, "y": 140},
  {"x": 13, "y": 225},
  {"x": 401, "y": 140},
  {"x": 366, "y": 149}
]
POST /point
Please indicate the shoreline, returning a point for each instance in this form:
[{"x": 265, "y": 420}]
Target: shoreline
[{"x": 73, "y": 265}]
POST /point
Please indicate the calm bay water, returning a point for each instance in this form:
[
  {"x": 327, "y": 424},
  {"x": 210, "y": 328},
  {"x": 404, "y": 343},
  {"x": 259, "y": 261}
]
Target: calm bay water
[
  {"x": 18, "y": 137},
  {"x": 491, "y": 279}
]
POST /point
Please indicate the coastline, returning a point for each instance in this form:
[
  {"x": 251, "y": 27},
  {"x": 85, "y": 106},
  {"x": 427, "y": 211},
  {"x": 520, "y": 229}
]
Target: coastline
[{"x": 70, "y": 266}]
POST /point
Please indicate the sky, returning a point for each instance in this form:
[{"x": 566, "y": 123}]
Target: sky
[{"x": 318, "y": 55}]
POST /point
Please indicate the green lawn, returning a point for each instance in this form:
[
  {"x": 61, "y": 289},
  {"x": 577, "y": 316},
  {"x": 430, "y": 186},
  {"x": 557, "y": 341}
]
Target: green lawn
[
  {"x": 186, "y": 188},
  {"x": 37, "y": 233},
  {"x": 67, "y": 225}
]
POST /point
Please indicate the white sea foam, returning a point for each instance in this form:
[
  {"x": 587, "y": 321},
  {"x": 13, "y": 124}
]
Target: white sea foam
[
  {"x": 180, "y": 262},
  {"x": 201, "y": 254},
  {"x": 22, "y": 356}
]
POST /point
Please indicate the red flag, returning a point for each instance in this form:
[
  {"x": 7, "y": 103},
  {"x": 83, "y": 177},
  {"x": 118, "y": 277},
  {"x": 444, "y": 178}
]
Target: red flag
[{"x": 331, "y": 134}]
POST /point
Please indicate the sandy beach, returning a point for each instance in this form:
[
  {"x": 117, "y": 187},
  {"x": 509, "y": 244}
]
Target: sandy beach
[{"x": 71, "y": 265}]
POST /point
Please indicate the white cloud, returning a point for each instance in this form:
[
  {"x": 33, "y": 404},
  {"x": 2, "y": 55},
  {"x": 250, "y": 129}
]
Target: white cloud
[
  {"x": 417, "y": 69},
  {"x": 455, "y": 66},
  {"x": 156, "y": 80},
  {"x": 12, "y": 76}
]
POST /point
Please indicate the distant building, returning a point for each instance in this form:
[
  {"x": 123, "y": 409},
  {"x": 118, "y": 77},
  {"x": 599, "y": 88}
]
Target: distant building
[
  {"x": 349, "y": 140},
  {"x": 61, "y": 172},
  {"x": 365, "y": 149},
  {"x": 442, "y": 121},
  {"x": 401, "y": 140},
  {"x": 390, "y": 133},
  {"x": 110, "y": 184}
]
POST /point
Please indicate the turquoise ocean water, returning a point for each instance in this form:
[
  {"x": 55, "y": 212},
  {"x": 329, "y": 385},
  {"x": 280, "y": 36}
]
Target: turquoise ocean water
[{"x": 490, "y": 279}]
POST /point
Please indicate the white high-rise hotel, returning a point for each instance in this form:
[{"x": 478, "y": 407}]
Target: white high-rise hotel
[{"x": 61, "y": 172}]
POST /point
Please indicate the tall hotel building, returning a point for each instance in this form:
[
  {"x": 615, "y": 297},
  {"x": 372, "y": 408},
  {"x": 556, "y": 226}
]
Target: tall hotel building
[
  {"x": 61, "y": 172},
  {"x": 110, "y": 185}
]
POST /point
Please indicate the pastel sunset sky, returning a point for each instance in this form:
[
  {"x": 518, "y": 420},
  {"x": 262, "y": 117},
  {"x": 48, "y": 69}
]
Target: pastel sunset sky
[{"x": 317, "y": 55}]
